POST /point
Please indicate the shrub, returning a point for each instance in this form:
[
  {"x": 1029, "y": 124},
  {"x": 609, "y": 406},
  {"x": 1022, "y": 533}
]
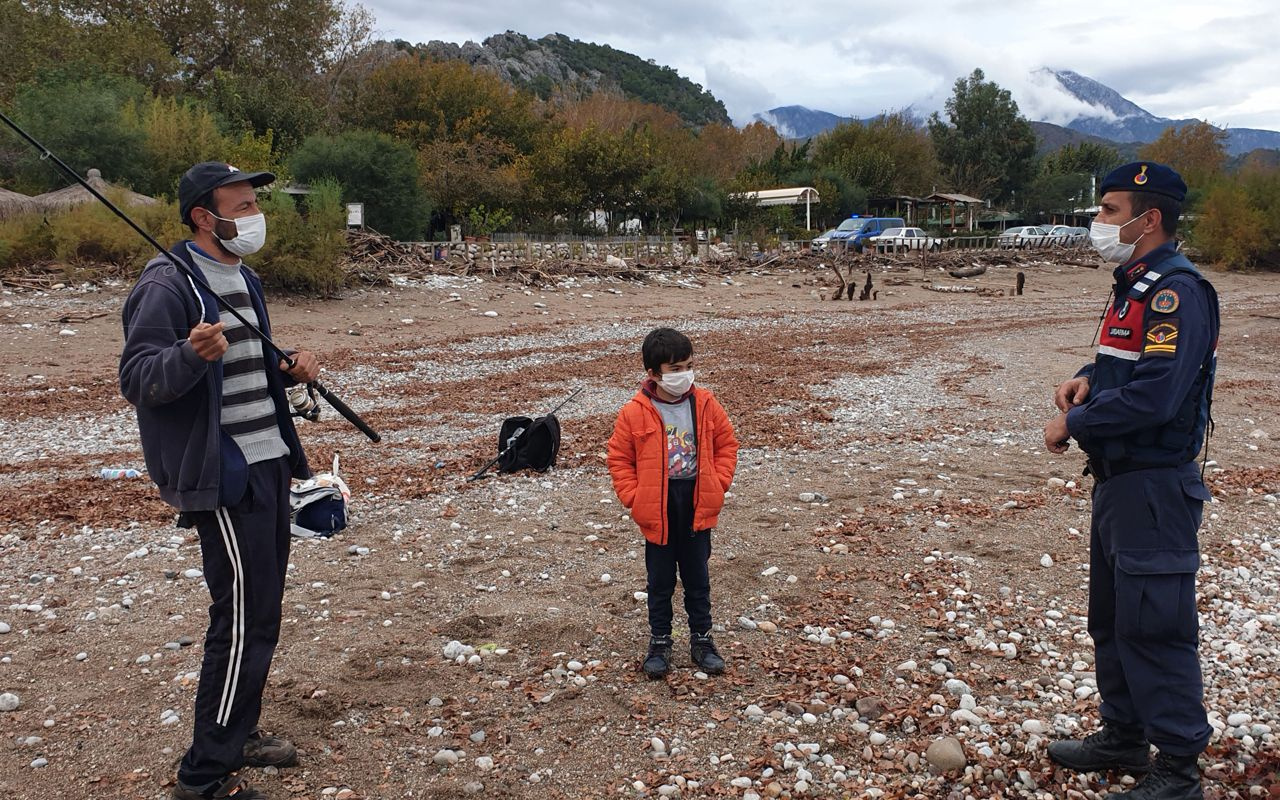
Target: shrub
[
  {"x": 374, "y": 169},
  {"x": 304, "y": 252}
]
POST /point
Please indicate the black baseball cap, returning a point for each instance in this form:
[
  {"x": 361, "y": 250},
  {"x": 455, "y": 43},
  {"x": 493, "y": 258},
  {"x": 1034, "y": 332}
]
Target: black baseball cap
[{"x": 209, "y": 175}]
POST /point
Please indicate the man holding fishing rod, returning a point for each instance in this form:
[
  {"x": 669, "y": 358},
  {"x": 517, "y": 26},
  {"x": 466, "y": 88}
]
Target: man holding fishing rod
[{"x": 221, "y": 446}]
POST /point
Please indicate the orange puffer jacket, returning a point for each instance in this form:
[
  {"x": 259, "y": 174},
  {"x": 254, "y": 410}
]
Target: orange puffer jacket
[{"x": 638, "y": 462}]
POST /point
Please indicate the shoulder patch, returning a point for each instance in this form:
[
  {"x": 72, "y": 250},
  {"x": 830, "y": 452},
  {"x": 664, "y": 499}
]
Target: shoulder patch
[
  {"x": 1161, "y": 340},
  {"x": 1165, "y": 302}
]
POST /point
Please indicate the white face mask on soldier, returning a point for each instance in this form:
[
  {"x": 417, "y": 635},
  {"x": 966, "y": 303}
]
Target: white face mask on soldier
[
  {"x": 677, "y": 383},
  {"x": 251, "y": 234},
  {"x": 1105, "y": 238}
]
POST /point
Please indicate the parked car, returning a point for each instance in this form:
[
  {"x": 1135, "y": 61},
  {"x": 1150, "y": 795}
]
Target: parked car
[
  {"x": 819, "y": 242},
  {"x": 854, "y": 231},
  {"x": 904, "y": 238},
  {"x": 1022, "y": 236},
  {"x": 1068, "y": 235}
]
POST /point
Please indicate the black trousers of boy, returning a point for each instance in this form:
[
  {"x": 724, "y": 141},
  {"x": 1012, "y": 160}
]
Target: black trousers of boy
[
  {"x": 246, "y": 552},
  {"x": 686, "y": 551}
]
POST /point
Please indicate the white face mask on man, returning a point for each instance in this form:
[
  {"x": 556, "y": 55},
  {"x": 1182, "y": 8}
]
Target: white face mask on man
[
  {"x": 1105, "y": 238},
  {"x": 251, "y": 234},
  {"x": 677, "y": 383}
]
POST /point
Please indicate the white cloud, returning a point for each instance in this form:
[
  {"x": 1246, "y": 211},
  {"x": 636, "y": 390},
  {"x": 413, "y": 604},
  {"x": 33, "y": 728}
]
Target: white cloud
[{"x": 1187, "y": 60}]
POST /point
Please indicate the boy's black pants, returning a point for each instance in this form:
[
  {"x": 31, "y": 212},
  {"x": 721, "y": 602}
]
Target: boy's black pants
[
  {"x": 246, "y": 552},
  {"x": 687, "y": 551}
]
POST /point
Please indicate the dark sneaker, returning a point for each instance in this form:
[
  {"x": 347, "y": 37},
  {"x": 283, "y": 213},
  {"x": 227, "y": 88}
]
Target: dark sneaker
[
  {"x": 1171, "y": 778},
  {"x": 658, "y": 662},
  {"x": 261, "y": 750},
  {"x": 703, "y": 652},
  {"x": 1109, "y": 748},
  {"x": 232, "y": 786}
]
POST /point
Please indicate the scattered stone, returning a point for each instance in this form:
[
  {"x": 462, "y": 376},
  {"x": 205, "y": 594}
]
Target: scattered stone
[
  {"x": 870, "y": 707},
  {"x": 946, "y": 755},
  {"x": 9, "y": 702},
  {"x": 445, "y": 758}
]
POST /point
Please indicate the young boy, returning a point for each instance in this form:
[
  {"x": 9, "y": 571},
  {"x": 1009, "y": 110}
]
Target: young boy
[{"x": 672, "y": 457}]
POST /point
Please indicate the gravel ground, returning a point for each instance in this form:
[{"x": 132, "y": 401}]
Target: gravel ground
[{"x": 899, "y": 581}]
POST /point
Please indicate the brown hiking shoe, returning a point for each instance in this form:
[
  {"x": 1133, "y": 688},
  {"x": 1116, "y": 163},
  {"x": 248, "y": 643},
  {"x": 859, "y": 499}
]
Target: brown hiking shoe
[{"x": 261, "y": 750}]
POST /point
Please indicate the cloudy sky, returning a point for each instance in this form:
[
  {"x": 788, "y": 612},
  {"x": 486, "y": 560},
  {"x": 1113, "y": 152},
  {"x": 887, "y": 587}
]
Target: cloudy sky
[{"x": 1216, "y": 61}]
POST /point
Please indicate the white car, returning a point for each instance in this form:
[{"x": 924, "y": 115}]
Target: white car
[
  {"x": 1022, "y": 236},
  {"x": 820, "y": 241},
  {"x": 1068, "y": 235},
  {"x": 904, "y": 239}
]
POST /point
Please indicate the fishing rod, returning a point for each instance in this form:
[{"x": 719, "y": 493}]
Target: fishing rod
[
  {"x": 514, "y": 441},
  {"x": 332, "y": 399}
]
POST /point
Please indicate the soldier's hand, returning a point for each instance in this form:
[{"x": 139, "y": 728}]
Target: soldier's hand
[
  {"x": 208, "y": 342},
  {"x": 1071, "y": 393},
  {"x": 1056, "y": 436}
]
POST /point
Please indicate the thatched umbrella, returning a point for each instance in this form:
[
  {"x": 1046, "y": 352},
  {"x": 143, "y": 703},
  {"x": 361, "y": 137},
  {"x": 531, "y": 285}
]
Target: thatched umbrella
[
  {"x": 76, "y": 195},
  {"x": 12, "y": 204}
]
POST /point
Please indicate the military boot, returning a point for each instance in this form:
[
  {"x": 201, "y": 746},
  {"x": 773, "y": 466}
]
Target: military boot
[
  {"x": 1171, "y": 778},
  {"x": 1113, "y": 747}
]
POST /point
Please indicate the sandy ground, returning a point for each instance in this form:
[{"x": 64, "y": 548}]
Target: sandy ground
[{"x": 893, "y": 504}]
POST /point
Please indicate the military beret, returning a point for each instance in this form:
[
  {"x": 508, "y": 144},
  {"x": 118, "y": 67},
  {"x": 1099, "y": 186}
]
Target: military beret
[{"x": 1145, "y": 176}]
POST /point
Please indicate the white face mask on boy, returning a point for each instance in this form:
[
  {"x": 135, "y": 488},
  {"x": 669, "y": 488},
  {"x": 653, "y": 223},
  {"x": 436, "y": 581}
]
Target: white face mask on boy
[{"x": 677, "y": 383}]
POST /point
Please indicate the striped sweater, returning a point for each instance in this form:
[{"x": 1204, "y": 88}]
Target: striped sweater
[{"x": 248, "y": 412}]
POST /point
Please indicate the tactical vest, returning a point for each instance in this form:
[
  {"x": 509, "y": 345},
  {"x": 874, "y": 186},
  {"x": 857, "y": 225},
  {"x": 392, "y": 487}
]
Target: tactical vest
[{"x": 1120, "y": 346}]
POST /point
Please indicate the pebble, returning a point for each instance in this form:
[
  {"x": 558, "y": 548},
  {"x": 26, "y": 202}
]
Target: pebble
[
  {"x": 870, "y": 707},
  {"x": 958, "y": 687},
  {"x": 1034, "y": 726},
  {"x": 484, "y": 763},
  {"x": 771, "y": 571},
  {"x": 1046, "y": 561},
  {"x": 445, "y": 758},
  {"x": 192, "y": 573},
  {"x": 766, "y": 627},
  {"x": 657, "y": 745},
  {"x": 491, "y": 313},
  {"x": 1238, "y": 719},
  {"x": 946, "y": 755},
  {"x": 40, "y": 762},
  {"x": 4, "y": 627},
  {"x": 9, "y": 702}
]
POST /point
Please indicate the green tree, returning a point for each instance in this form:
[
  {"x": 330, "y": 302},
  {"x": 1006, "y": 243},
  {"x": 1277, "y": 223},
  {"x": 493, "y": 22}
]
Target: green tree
[
  {"x": 1085, "y": 158},
  {"x": 425, "y": 101},
  {"x": 176, "y": 134},
  {"x": 888, "y": 155},
  {"x": 373, "y": 169},
  {"x": 986, "y": 147},
  {"x": 81, "y": 119}
]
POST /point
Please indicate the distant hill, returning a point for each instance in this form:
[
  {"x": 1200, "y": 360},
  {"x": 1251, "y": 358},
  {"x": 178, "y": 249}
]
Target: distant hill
[
  {"x": 1054, "y": 137},
  {"x": 557, "y": 62},
  {"x": 1120, "y": 120},
  {"x": 1112, "y": 119},
  {"x": 798, "y": 122}
]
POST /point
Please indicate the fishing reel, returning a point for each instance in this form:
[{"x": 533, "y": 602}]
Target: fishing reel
[{"x": 305, "y": 401}]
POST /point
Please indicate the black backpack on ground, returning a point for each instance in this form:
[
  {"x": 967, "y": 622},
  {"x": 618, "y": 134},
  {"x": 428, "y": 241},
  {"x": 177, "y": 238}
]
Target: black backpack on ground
[{"x": 533, "y": 443}]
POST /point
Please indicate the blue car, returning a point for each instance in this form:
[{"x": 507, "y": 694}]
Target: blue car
[{"x": 855, "y": 231}]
